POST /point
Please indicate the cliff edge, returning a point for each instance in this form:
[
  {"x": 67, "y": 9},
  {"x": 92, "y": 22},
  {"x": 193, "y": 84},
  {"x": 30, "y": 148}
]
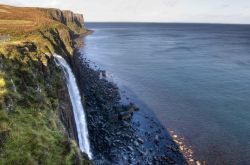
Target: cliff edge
[
  {"x": 36, "y": 119},
  {"x": 74, "y": 21}
]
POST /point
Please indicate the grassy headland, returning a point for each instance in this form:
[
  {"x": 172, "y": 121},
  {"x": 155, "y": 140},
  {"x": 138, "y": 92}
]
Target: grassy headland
[{"x": 32, "y": 89}]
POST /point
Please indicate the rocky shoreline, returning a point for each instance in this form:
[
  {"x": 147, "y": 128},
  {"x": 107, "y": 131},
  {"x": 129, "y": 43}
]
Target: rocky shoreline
[{"x": 119, "y": 132}]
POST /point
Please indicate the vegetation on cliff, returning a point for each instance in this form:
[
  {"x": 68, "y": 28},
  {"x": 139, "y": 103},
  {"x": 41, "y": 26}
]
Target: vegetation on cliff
[{"x": 32, "y": 86}]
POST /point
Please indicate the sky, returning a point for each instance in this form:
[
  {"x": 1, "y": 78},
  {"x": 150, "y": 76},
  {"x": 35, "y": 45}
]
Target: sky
[{"x": 196, "y": 11}]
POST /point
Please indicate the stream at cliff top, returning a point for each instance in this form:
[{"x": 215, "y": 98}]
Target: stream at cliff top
[
  {"x": 194, "y": 77},
  {"x": 78, "y": 110}
]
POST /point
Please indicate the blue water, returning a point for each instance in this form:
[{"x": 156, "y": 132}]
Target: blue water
[{"x": 194, "y": 77}]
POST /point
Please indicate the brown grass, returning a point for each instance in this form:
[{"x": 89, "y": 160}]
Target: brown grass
[
  {"x": 35, "y": 25},
  {"x": 19, "y": 20},
  {"x": 15, "y": 22},
  {"x": 4, "y": 11}
]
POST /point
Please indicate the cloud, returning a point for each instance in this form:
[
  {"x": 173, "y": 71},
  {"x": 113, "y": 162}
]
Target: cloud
[
  {"x": 170, "y": 3},
  {"x": 41, "y": 3},
  {"x": 151, "y": 10},
  {"x": 225, "y": 5}
]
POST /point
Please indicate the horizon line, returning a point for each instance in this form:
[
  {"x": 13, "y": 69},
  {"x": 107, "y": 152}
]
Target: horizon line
[{"x": 142, "y": 22}]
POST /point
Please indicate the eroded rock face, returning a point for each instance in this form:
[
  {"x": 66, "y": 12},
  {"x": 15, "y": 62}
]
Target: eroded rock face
[
  {"x": 70, "y": 17},
  {"x": 74, "y": 21}
]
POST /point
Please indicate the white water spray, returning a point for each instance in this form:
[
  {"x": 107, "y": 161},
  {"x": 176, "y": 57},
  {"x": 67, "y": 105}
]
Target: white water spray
[{"x": 79, "y": 115}]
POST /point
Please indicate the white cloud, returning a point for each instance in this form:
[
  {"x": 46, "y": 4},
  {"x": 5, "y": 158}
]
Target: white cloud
[
  {"x": 42, "y": 3},
  {"x": 221, "y": 11}
]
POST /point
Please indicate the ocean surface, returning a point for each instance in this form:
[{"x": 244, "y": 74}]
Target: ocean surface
[{"x": 194, "y": 77}]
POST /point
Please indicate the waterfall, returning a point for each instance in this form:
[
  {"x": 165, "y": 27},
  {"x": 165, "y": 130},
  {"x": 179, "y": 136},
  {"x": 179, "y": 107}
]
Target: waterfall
[{"x": 79, "y": 115}]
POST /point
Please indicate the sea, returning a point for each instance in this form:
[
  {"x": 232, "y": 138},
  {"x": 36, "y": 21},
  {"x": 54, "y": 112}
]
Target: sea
[{"x": 195, "y": 78}]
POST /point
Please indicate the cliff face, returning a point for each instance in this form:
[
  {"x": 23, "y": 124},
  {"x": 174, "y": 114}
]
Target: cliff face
[
  {"x": 35, "y": 109},
  {"x": 73, "y": 21}
]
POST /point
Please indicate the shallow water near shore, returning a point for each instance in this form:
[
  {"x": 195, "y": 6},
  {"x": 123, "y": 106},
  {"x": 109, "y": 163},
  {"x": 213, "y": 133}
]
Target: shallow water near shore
[{"x": 194, "y": 77}]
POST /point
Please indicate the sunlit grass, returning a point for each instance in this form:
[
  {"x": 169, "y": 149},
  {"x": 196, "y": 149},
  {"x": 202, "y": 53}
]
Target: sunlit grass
[
  {"x": 15, "y": 22},
  {"x": 4, "y": 11}
]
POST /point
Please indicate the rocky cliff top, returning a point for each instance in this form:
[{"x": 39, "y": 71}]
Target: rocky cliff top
[
  {"x": 27, "y": 19},
  {"x": 51, "y": 30}
]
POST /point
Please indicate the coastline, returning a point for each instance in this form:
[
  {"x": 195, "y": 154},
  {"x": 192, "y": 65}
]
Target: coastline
[
  {"x": 151, "y": 120},
  {"x": 119, "y": 131},
  {"x": 145, "y": 93}
]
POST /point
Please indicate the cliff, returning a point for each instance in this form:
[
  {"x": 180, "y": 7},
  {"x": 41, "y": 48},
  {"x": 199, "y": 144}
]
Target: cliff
[
  {"x": 73, "y": 21},
  {"x": 36, "y": 119}
]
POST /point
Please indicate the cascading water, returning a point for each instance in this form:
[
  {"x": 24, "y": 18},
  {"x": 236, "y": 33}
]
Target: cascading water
[{"x": 79, "y": 115}]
